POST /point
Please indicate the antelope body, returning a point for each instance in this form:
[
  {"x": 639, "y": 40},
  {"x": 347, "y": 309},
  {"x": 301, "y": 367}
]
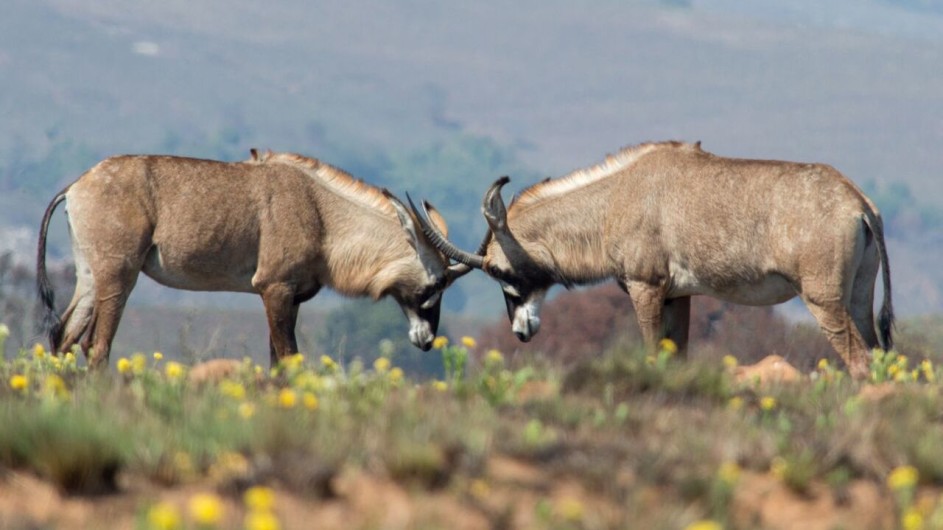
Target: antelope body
[
  {"x": 279, "y": 225},
  {"x": 669, "y": 220}
]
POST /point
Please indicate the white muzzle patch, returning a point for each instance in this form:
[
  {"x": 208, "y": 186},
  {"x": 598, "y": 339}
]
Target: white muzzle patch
[
  {"x": 420, "y": 332},
  {"x": 526, "y": 322}
]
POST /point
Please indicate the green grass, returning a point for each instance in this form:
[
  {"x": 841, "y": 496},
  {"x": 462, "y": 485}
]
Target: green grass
[{"x": 622, "y": 426}]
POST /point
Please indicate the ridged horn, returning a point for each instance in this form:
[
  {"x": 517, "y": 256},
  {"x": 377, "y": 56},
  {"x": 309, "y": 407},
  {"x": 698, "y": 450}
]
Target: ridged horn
[
  {"x": 493, "y": 206},
  {"x": 445, "y": 246}
]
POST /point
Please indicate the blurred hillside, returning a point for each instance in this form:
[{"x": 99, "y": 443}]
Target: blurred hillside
[{"x": 439, "y": 100}]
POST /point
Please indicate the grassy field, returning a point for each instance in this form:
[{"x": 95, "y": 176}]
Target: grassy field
[{"x": 628, "y": 440}]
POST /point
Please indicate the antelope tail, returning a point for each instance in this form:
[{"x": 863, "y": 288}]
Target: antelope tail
[
  {"x": 51, "y": 323},
  {"x": 886, "y": 315}
]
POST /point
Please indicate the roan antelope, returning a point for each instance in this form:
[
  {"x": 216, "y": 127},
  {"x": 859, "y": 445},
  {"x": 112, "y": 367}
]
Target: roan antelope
[
  {"x": 669, "y": 220},
  {"x": 279, "y": 225}
]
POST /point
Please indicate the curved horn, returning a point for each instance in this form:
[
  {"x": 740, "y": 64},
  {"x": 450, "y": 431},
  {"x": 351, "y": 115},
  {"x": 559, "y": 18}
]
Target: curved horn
[
  {"x": 460, "y": 269},
  {"x": 493, "y": 206},
  {"x": 443, "y": 244}
]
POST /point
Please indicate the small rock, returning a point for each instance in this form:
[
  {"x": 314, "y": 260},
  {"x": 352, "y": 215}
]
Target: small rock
[
  {"x": 213, "y": 371},
  {"x": 772, "y": 369}
]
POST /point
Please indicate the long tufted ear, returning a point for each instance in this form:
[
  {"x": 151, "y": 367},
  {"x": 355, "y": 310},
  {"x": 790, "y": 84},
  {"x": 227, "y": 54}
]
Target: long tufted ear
[
  {"x": 405, "y": 219},
  {"x": 436, "y": 219}
]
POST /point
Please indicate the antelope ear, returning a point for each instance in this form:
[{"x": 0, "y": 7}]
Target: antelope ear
[
  {"x": 404, "y": 218},
  {"x": 436, "y": 219}
]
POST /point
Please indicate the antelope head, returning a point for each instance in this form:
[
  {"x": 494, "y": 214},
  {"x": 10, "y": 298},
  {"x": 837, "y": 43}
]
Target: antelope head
[
  {"x": 524, "y": 280},
  {"x": 418, "y": 291}
]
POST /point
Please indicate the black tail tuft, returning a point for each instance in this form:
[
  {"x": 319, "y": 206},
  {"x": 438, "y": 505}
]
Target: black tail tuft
[
  {"x": 50, "y": 321},
  {"x": 886, "y": 316}
]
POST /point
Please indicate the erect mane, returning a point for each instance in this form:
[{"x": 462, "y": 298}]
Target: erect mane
[
  {"x": 585, "y": 176},
  {"x": 333, "y": 178}
]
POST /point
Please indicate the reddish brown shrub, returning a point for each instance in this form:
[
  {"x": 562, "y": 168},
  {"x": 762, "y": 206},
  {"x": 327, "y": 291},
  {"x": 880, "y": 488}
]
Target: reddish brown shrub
[{"x": 582, "y": 324}]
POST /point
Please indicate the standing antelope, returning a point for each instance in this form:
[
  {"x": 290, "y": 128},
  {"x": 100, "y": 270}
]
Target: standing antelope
[
  {"x": 669, "y": 220},
  {"x": 279, "y": 225}
]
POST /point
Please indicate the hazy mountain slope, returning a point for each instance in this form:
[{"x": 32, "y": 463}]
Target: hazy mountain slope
[{"x": 854, "y": 84}]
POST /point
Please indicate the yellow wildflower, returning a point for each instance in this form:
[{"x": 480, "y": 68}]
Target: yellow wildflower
[
  {"x": 735, "y": 403},
  {"x": 19, "y": 382},
  {"x": 927, "y": 368},
  {"x": 494, "y": 356},
  {"x": 705, "y": 524},
  {"x": 911, "y": 519},
  {"x": 124, "y": 365},
  {"x": 440, "y": 342},
  {"x": 767, "y": 403},
  {"x": 441, "y": 386},
  {"x": 246, "y": 409},
  {"x": 778, "y": 467},
  {"x": 668, "y": 346},
  {"x": 259, "y": 499},
  {"x": 479, "y": 489},
  {"x": 903, "y": 477},
  {"x": 55, "y": 386},
  {"x": 174, "y": 370},
  {"x": 729, "y": 473},
  {"x": 39, "y": 351},
  {"x": 183, "y": 464},
  {"x": 69, "y": 358},
  {"x": 229, "y": 464},
  {"x": 158, "y": 356},
  {"x": 730, "y": 361},
  {"x": 308, "y": 380},
  {"x": 823, "y": 364},
  {"x": 261, "y": 520},
  {"x": 381, "y": 365},
  {"x": 232, "y": 389},
  {"x": 138, "y": 363},
  {"x": 396, "y": 375},
  {"x": 328, "y": 362},
  {"x": 206, "y": 509},
  {"x": 571, "y": 509},
  {"x": 310, "y": 400},
  {"x": 287, "y": 398},
  {"x": 163, "y": 516},
  {"x": 469, "y": 342},
  {"x": 293, "y": 361}
]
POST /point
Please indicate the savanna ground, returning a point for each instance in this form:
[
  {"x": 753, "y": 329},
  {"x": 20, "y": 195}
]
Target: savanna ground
[{"x": 623, "y": 439}]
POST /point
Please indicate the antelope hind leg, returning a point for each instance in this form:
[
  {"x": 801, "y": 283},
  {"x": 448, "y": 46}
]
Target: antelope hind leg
[
  {"x": 109, "y": 305},
  {"x": 840, "y": 329}
]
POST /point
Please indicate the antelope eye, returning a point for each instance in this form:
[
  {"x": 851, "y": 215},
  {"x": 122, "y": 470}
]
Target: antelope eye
[{"x": 499, "y": 274}]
